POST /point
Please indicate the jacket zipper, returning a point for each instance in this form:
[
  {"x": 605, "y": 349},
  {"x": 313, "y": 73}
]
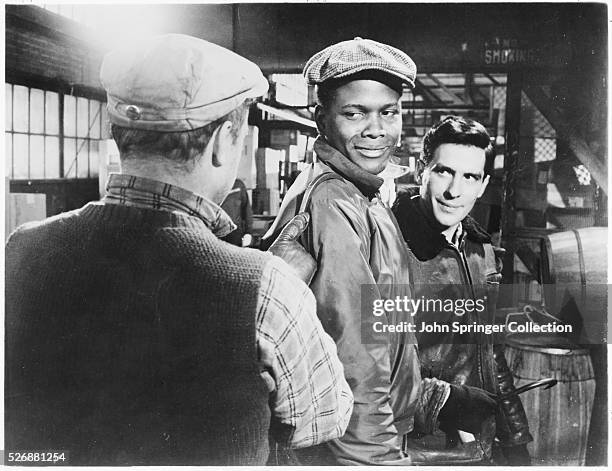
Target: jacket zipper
[{"x": 467, "y": 276}]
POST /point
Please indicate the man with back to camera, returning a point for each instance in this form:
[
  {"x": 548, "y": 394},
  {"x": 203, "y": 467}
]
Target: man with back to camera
[
  {"x": 134, "y": 336},
  {"x": 359, "y": 250},
  {"x": 452, "y": 257}
]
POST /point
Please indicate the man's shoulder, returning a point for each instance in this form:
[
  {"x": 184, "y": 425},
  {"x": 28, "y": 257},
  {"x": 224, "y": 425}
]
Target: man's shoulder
[
  {"x": 326, "y": 183},
  {"x": 198, "y": 246},
  {"x": 337, "y": 195},
  {"x": 330, "y": 191},
  {"x": 424, "y": 242},
  {"x": 333, "y": 187},
  {"x": 59, "y": 224},
  {"x": 405, "y": 201}
]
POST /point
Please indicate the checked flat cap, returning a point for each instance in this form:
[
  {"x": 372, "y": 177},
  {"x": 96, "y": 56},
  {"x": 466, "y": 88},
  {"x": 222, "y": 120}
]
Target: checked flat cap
[
  {"x": 176, "y": 82},
  {"x": 349, "y": 57}
]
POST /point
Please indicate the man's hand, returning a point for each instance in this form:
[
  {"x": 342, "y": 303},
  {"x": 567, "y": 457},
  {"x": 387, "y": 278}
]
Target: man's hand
[
  {"x": 247, "y": 240},
  {"x": 466, "y": 409},
  {"x": 291, "y": 251}
]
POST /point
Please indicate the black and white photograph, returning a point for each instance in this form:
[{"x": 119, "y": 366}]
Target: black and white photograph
[{"x": 298, "y": 234}]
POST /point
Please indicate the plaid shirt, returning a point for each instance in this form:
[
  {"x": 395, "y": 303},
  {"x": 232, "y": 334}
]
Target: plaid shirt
[{"x": 300, "y": 363}]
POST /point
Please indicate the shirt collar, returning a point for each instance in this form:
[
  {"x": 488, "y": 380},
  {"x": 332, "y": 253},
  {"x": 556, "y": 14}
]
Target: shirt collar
[
  {"x": 366, "y": 182},
  {"x": 457, "y": 237},
  {"x": 143, "y": 192}
]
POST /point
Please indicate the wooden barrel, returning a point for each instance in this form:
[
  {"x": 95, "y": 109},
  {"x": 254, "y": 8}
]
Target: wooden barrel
[
  {"x": 558, "y": 417},
  {"x": 576, "y": 269}
]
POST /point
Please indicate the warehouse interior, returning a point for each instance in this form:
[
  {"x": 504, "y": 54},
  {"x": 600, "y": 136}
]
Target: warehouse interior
[{"x": 534, "y": 74}]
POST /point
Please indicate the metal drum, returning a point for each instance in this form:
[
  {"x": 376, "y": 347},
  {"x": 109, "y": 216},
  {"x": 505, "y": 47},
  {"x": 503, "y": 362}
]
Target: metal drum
[{"x": 558, "y": 417}]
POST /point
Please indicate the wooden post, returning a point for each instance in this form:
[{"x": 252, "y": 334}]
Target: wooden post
[{"x": 511, "y": 159}]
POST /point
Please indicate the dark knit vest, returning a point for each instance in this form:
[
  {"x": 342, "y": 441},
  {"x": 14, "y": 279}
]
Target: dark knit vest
[{"x": 130, "y": 340}]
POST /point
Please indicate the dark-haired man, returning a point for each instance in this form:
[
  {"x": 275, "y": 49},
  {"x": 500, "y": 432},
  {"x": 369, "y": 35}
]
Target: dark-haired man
[
  {"x": 134, "y": 336},
  {"x": 362, "y": 258},
  {"x": 452, "y": 258}
]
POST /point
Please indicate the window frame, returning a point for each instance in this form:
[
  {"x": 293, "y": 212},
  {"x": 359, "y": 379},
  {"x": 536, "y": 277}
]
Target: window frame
[{"x": 64, "y": 170}]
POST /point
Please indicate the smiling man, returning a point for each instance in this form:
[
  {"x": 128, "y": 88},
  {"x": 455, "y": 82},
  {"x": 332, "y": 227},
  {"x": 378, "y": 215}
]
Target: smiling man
[
  {"x": 361, "y": 256},
  {"x": 451, "y": 184},
  {"x": 360, "y": 117},
  {"x": 452, "y": 258}
]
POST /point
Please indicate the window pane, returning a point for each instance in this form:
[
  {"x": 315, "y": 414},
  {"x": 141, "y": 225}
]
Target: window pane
[
  {"x": 20, "y": 156},
  {"x": 82, "y": 117},
  {"x": 94, "y": 158},
  {"x": 69, "y": 115},
  {"x": 8, "y": 107},
  {"x": 82, "y": 158},
  {"x": 20, "y": 108},
  {"x": 37, "y": 157},
  {"x": 8, "y": 156},
  {"x": 52, "y": 113},
  {"x": 69, "y": 158},
  {"x": 37, "y": 111},
  {"x": 51, "y": 157},
  {"x": 94, "y": 119}
]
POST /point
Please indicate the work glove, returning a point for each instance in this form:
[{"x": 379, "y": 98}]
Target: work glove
[
  {"x": 516, "y": 455},
  {"x": 287, "y": 247},
  {"x": 466, "y": 409}
]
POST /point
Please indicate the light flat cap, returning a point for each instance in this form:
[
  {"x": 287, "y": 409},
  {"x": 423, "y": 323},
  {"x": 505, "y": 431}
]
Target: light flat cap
[
  {"x": 176, "y": 82},
  {"x": 349, "y": 57}
]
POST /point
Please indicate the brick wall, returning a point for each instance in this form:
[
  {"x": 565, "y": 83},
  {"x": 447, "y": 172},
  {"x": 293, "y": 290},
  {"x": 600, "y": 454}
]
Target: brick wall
[{"x": 44, "y": 48}]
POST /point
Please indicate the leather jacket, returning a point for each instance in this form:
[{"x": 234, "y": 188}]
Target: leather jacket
[
  {"x": 361, "y": 256},
  {"x": 441, "y": 270}
]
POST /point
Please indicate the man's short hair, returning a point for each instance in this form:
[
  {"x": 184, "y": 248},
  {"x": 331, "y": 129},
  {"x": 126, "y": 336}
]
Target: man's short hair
[
  {"x": 458, "y": 130},
  {"x": 181, "y": 146}
]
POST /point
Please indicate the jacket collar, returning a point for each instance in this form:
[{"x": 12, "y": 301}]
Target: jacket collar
[
  {"x": 423, "y": 237},
  {"x": 367, "y": 183}
]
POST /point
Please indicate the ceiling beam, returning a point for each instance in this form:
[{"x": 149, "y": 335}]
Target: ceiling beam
[
  {"x": 456, "y": 98},
  {"x": 492, "y": 79},
  {"x": 288, "y": 116},
  {"x": 427, "y": 94}
]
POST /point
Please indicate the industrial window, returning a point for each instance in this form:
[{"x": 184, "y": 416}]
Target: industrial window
[
  {"x": 82, "y": 132},
  {"x": 43, "y": 143}
]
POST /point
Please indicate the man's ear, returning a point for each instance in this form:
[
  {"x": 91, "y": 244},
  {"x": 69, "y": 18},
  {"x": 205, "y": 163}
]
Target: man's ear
[
  {"x": 319, "y": 115},
  {"x": 222, "y": 140},
  {"x": 485, "y": 182}
]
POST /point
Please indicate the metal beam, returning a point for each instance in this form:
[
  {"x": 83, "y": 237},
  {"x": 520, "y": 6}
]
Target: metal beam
[
  {"x": 456, "y": 98},
  {"x": 288, "y": 116},
  {"x": 576, "y": 143},
  {"x": 492, "y": 79},
  {"x": 426, "y": 92}
]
